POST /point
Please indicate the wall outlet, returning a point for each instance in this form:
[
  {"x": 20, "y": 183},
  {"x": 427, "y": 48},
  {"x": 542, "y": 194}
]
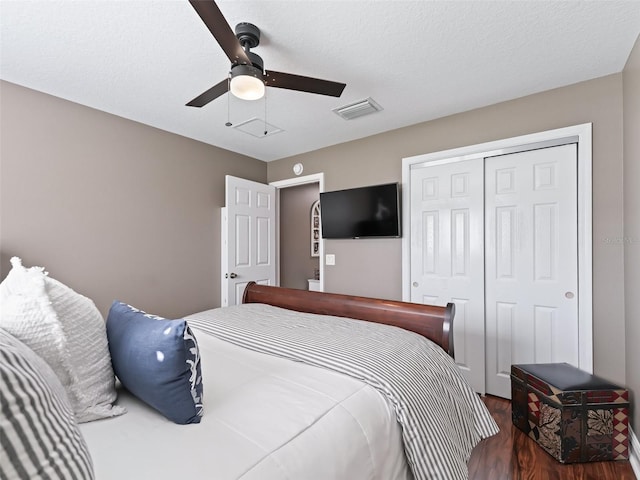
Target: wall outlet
[{"x": 329, "y": 259}]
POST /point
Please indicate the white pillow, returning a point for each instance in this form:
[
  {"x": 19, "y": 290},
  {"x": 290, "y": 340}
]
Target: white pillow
[{"x": 67, "y": 331}]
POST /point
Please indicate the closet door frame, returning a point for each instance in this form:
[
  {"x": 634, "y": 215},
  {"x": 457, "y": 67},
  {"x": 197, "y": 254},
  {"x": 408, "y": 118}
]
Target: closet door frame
[{"x": 580, "y": 134}]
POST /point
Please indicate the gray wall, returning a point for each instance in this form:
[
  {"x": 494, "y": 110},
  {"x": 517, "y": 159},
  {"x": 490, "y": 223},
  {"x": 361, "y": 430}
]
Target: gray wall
[
  {"x": 373, "y": 267},
  {"x": 113, "y": 208},
  {"x": 631, "y": 79},
  {"x": 296, "y": 263}
]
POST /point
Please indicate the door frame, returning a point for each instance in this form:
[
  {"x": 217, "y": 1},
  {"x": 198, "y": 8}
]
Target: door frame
[
  {"x": 580, "y": 134},
  {"x": 294, "y": 182}
]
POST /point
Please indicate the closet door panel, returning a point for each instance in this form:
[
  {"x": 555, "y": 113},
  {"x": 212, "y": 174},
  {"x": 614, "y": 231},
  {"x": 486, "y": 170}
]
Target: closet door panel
[
  {"x": 531, "y": 261},
  {"x": 447, "y": 262}
]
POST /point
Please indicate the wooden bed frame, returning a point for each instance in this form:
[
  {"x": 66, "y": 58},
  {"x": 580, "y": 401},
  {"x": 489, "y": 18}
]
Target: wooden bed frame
[{"x": 434, "y": 323}]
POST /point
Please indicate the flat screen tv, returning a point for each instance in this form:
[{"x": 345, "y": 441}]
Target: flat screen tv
[{"x": 365, "y": 212}]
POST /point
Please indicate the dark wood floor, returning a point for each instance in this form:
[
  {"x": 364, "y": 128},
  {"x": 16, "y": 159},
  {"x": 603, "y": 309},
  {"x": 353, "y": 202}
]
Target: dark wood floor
[{"x": 511, "y": 455}]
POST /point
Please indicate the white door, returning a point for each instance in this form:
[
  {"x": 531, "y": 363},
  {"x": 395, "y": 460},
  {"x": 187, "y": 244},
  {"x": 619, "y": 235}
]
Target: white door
[
  {"x": 531, "y": 261},
  {"x": 248, "y": 237},
  {"x": 498, "y": 237},
  {"x": 447, "y": 235}
]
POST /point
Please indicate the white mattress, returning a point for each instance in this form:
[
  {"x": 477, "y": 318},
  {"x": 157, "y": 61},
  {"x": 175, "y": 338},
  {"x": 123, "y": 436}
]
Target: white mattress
[{"x": 265, "y": 418}]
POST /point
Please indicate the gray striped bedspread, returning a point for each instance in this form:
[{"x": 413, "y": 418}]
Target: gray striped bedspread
[{"x": 442, "y": 418}]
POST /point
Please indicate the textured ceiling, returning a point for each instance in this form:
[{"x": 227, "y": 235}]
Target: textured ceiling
[{"x": 419, "y": 60}]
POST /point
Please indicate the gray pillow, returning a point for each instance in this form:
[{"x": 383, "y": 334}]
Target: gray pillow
[{"x": 39, "y": 437}]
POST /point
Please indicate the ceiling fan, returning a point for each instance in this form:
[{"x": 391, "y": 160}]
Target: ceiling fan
[{"x": 248, "y": 78}]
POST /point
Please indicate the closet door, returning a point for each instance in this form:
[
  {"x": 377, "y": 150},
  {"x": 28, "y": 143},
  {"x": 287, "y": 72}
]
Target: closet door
[
  {"x": 531, "y": 262},
  {"x": 447, "y": 261}
]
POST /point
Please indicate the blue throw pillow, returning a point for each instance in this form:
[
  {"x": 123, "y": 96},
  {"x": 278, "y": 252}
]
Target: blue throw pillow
[{"x": 157, "y": 360}]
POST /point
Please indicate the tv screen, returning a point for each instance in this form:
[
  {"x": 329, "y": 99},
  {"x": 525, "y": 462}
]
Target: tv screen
[{"x": 361, "y": 212}]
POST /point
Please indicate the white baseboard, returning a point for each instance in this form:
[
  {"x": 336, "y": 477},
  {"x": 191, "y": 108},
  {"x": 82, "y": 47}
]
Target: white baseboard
[{"x": 634, "y": 454}]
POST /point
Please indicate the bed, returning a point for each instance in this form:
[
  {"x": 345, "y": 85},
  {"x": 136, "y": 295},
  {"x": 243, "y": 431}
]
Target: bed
[
  {"x": 297, "y": 385},
  {"x": 273, "y": 416}
]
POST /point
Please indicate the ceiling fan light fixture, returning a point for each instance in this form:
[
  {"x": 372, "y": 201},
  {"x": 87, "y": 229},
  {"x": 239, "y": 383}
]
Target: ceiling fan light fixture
[
  {"x": 247, "y": 82},
  {"x": 248, "y": 77}
]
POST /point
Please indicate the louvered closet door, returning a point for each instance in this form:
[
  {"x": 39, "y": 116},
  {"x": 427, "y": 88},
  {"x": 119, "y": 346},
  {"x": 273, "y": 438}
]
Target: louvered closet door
[
  {"x": 447, "y": 263},
  {"x": 531, "y": 261}
]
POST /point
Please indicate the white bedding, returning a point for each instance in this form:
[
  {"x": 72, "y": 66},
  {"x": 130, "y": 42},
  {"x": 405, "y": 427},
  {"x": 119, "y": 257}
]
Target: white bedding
[
  {"x": 441, "y": 417},
  {"x": 266, "y": 418}
]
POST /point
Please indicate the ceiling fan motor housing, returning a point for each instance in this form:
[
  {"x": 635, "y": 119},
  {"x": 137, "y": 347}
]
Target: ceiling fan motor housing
[
  {"x": 249, "y": 70},
  {"x": 256, "y": 61},
  {"x": 256, "y": 69}
]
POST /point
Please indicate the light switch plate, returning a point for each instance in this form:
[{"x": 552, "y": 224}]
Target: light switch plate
[{"x": 329, "y": 259}]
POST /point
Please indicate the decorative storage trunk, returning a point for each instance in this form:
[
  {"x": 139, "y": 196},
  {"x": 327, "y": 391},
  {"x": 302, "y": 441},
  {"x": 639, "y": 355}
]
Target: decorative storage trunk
[{"x": 573, "y": 415}]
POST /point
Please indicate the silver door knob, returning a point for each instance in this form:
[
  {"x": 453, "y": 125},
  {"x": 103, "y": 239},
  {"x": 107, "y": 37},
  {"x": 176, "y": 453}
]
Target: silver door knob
[
  {"x": 569, "y": 295},
  {"x": 230, "y": 275}
]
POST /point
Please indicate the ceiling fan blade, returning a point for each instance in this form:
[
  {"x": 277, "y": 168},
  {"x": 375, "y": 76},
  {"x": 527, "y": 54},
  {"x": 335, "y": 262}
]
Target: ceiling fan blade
[
  {"x": 220, "y": 29},
  {"x": 210, "y": 95},
  {"x": 303, "y": 84}
]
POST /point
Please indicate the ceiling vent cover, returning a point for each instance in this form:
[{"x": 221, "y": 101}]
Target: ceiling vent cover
[{"x": 358, "y": 109}]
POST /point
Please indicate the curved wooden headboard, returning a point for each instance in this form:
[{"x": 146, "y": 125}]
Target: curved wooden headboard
[{"x": 435, "y": 323}]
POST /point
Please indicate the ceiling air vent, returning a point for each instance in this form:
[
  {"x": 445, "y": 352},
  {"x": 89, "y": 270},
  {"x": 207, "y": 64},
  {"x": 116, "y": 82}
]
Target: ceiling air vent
[{"x": 358, "y": 109}]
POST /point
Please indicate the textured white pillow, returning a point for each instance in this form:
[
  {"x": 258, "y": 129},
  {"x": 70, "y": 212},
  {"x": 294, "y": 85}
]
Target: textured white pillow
[{"x": 67, "y": 331}]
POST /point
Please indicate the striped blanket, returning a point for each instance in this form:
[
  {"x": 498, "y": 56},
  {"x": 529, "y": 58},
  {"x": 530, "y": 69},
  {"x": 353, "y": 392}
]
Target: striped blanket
[{"x": 442, "y": 419}]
